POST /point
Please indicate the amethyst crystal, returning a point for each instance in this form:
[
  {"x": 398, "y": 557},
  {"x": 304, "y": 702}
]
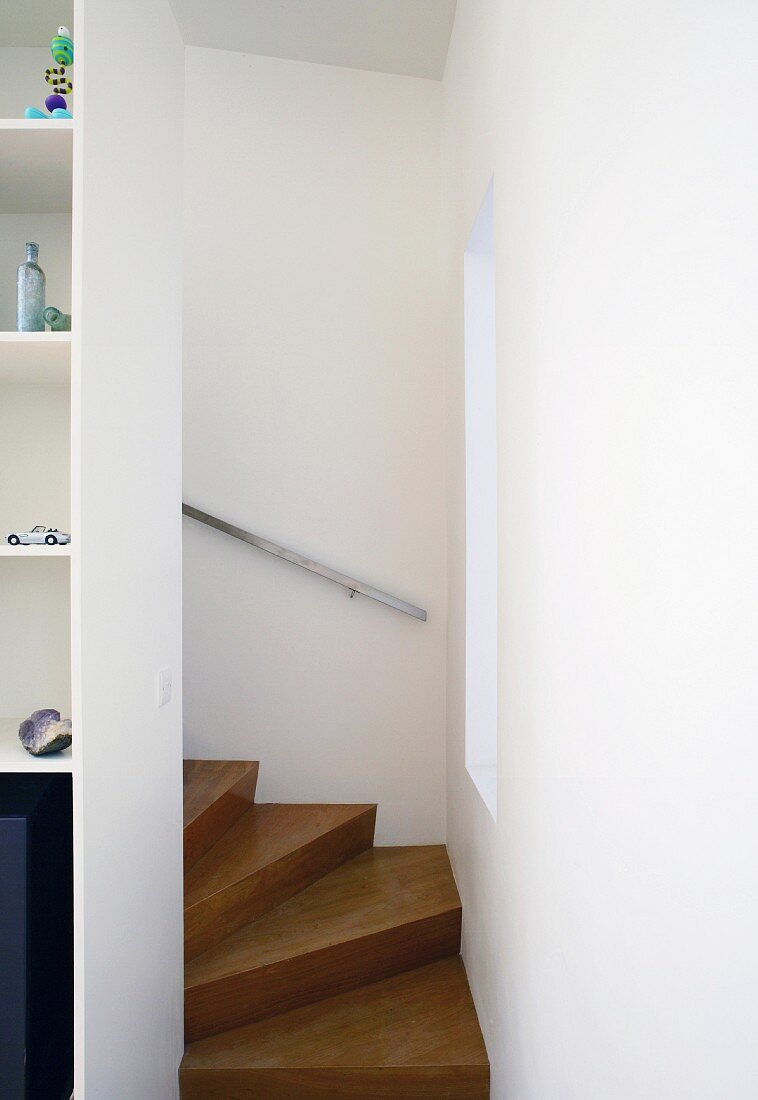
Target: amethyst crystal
[{"x": 44, "y": 732}]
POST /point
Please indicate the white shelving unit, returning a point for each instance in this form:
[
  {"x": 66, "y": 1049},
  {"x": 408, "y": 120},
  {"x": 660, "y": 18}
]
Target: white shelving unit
[
  {"x": 38, "y": 627},
  {"x": 86, "y": 628},
  {"x": 36, "y": 203}
]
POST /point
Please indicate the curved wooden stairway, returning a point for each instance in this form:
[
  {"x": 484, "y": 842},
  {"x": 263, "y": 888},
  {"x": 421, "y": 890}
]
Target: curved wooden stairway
[{"x": 316, "y": 964}]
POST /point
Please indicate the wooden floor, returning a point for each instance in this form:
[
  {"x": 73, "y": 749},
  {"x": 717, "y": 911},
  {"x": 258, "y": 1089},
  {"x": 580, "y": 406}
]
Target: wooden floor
[{"x": 318, "y": 965}]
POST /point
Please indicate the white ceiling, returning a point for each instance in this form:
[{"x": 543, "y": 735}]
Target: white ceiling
[
  {"x": 407, "y": 37},
  {"x": 33, "y": 22}
]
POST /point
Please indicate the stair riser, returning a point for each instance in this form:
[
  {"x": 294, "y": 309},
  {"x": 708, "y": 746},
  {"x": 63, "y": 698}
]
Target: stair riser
[
  {"x": 202, "y": 833},
  {"x": 395, "y": 1083},
  {"x": 210, "y": 920},
  {"x": 267, "y": 991}
]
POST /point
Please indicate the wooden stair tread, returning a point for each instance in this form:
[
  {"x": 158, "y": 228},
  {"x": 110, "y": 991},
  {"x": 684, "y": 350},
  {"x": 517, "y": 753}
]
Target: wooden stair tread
[
  {"x": 264, "y": 834},
  {"x": 205, "y": 781},
  {"x": 422, "y": 1018},
  {"x": 216, "y": 794},
  {"x": 379, "y": 889},
  {"x": 267, "y": 856},
  {"x": 318, "y": 966}
]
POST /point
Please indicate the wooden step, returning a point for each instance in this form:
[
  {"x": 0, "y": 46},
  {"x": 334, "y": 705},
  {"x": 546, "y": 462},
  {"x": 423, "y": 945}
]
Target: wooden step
[
  {"x": 269, "y": 854},
  {"x": 216, "y": 794},
  {"x": 414, "y": 1035},
  {"x": 387, "y": 910}
]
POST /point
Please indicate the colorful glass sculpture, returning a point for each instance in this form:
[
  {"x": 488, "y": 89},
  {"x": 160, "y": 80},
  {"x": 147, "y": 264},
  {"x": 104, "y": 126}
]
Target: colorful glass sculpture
[{"x": 62, "y": 50}]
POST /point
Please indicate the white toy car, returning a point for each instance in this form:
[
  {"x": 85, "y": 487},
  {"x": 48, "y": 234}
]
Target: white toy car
[{"x": 38, "y": 535}]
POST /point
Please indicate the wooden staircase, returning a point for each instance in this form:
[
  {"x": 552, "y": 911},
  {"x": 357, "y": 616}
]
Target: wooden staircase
[{"x": 316, "y": 964}]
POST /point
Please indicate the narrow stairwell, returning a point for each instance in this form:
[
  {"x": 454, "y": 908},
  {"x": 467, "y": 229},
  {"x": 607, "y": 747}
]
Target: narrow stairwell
[{"x": 316, "y": 964}]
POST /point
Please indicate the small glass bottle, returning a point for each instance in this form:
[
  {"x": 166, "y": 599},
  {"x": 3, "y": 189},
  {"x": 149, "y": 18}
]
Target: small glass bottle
[{"x": 30, "y": 293}]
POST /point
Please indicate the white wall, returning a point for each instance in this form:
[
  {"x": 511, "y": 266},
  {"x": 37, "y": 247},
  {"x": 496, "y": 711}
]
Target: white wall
[
  {"x": 313, "y": 416},
  {"x": 610, "y": 914},
  {"x": 481, "y": 515},
  {"x": 127, "y": 548}
]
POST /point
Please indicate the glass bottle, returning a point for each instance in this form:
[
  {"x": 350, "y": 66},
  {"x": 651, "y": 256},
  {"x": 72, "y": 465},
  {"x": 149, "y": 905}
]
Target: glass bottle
[{"x": 30, "y": 293}]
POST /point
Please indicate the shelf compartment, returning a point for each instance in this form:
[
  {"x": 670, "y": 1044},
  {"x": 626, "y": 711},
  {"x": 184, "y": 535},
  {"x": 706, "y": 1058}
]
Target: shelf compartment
[
  {"x": 52, "y": 231},
  {"x": 35, "y": 453},
  {"x": 35, "y": 635},
  {"x": 15, "y": 758},
  {"x": 36, "y": 166}
]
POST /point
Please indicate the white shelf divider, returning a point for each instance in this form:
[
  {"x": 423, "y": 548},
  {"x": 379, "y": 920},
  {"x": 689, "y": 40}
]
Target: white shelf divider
[
  {"x": 15, "y": 758},
  {"x": 7, "y": 551},
  {"x": 24, "y": 338},
  {"x": 35, "y": 357},
  {"x": 36, "y": 123}
]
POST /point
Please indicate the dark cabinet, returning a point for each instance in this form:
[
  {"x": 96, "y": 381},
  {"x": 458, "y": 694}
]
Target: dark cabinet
[{"x": 36, "y": 937}]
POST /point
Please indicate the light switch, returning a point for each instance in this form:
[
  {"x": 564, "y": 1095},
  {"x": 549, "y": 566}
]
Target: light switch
[{"x": 164, "y": 687}]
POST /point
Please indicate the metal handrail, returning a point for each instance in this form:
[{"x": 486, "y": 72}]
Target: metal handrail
[{"x": 306, "y": 563}]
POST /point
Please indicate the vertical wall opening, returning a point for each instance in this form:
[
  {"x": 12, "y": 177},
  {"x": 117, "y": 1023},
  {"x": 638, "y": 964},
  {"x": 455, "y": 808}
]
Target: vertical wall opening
[{"x": 481, "y": 505}]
